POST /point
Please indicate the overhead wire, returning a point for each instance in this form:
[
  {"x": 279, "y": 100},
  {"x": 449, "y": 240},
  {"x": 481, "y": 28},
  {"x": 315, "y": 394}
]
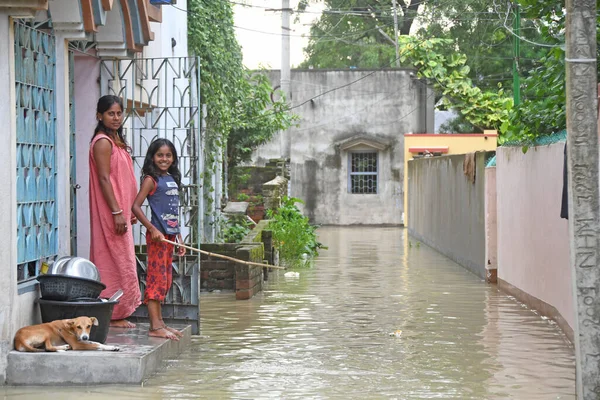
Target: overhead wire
[
  {"x": 508, "y": 11},
  {"x": 292, "y": 107}
]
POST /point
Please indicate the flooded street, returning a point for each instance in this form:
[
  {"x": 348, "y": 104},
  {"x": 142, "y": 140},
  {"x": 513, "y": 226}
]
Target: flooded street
[{"x": 328, "y": 334}]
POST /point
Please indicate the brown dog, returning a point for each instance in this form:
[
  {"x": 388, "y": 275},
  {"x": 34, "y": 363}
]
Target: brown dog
[{"x": 60, "y": 335}]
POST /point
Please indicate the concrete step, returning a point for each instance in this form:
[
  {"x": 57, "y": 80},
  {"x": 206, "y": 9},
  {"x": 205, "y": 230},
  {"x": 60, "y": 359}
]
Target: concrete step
[{"x": 140, "y": 357}]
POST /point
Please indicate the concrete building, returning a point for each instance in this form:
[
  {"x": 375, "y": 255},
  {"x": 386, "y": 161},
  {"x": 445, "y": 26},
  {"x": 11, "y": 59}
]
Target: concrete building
[
  {"x": 58, "y": 58},
  {"x": 347, "y": 150}
]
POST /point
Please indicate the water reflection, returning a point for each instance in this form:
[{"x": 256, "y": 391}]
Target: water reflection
[{"x": 326, "y": 334}]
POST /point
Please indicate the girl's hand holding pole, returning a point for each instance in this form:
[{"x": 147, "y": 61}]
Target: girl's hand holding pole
[
  {"x": 180, "y": 250},
  {"x": 156, "y": 235}
]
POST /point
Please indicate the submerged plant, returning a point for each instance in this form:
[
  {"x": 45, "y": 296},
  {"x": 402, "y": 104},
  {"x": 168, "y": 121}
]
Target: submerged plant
[
  {"x": 293, "y": 235},
  {"x": 236, "y": 229}
]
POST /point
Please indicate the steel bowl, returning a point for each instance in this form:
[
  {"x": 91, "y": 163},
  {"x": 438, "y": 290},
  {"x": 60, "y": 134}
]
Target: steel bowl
[
  {"x": 58, "y": 264},
  {"x": 79, "y": 267}
]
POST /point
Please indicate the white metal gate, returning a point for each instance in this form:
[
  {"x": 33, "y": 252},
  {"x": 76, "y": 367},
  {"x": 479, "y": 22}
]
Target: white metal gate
[{"x": 161, "y": 97}]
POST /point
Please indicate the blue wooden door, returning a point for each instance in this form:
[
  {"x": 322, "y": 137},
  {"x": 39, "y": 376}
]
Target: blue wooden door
[{"x": 37, "y": 229}]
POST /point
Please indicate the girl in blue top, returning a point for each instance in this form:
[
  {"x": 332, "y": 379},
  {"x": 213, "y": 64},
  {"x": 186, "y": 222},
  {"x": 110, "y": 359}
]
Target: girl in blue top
[{"x": 160, "y": 186}]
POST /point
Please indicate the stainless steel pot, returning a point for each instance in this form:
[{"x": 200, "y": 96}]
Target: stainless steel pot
[{"x": 79, "y": 267}]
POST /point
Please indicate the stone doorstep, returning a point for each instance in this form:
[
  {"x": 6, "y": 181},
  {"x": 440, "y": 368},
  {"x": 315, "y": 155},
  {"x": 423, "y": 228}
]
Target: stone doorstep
[{"x": 140, "y": 357}]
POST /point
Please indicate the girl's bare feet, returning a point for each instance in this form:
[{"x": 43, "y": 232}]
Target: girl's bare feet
[
  {"x": 121, "y": 323},
  {"x": 162, "y": 333},
  {"x": 173, "y": 330}
]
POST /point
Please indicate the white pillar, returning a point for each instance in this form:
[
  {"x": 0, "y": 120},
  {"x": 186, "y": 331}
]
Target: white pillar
[
  {"x": 286, "y": 141},
  {"x": 8, "y": 195},
  {"x": 63, "y": 173}
]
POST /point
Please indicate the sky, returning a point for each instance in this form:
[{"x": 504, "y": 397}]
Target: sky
[{"x": 258, "y": 31}]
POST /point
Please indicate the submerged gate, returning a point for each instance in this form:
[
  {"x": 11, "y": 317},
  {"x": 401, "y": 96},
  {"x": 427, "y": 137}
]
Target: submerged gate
[{"x": 162, "y": 100}]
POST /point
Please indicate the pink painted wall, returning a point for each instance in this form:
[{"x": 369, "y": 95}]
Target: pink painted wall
[
  {"x": 87, "y": 93},
  {"x": 533, "y": 241}
]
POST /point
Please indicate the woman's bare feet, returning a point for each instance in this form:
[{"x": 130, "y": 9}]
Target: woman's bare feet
[
  {"x": 162, "y": 333},
  {"x": 121, "y": 323}
]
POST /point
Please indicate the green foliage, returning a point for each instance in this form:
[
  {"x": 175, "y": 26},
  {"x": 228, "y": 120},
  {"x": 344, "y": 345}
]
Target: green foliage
[
  {"x": 242, "y": 197},
  {"x": 476, "y": 28},
  {"x": 258, "y": 119},
  {"x": 543, "y": 110},
  {"x": 236, "y": 229},
  {"x": 240, "y": 112},
  {"x": 472, "y": 68},
  {"x": 293, "y": 235},
  {"x": 353, "y": 38},
  {"x": 449, "y": 76},
  {"x": 458, "y": 124}
]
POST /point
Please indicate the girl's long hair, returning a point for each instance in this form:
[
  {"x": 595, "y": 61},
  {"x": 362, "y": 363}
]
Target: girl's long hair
[
  {"x": 104, "y": 103},
  {"x": 149, "y": 169}
]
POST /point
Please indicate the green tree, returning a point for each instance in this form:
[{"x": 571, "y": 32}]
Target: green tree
[
  {"x": 351, "y": 34},
  {"x": 261, "y": 118},
  {"x": 449, "y": 75},
  {"x": 543, "y": 107},
  {"x": 480, "y": 30}
]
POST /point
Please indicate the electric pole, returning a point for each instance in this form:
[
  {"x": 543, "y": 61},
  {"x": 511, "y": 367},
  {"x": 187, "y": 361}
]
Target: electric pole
[
  {"x": 516, "y": 55},
  {"x": 286, "y": 143},
  {"x": 396, "y": 33},
  {"x": 584, "y": 207}
]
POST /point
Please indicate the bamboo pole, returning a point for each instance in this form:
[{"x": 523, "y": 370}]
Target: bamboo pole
[{"x": 208, "y": 253}]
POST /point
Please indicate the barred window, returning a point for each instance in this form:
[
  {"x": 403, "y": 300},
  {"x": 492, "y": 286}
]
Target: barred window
[{"x": 363, "y": 173}]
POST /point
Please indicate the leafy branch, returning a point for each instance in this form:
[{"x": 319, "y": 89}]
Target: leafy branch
[{"x": 449, "y": 76}]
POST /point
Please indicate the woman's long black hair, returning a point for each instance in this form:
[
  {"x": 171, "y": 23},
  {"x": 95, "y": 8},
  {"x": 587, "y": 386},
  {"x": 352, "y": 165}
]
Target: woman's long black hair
[
  {"x": 150, "y": 169},
  {"x": 104, "y": 103}
]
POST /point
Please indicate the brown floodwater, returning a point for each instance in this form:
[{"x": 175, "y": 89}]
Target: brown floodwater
[{"x": 329, "y": 333}]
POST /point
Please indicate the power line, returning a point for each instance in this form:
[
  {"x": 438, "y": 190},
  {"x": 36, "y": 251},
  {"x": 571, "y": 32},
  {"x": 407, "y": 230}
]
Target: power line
[
  {"x": 306, "y": 36},
  {"x": 344, "y": 11},
  {"x": 353, "y": 113}
]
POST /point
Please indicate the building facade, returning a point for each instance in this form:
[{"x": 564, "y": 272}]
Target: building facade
[
  {"x": 58, "y": 58},
  {"x": 346, "y": 151}
]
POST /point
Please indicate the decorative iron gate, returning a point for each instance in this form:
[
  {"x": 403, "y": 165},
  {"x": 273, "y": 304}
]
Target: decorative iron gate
[
  {"x": 161, "y": 97},
  {"x": 37, "y": 228}
]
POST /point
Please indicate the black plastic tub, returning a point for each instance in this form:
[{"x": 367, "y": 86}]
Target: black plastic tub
[
  {"x": 65, "y": 287},
  {"x": 53, "y": 310}
]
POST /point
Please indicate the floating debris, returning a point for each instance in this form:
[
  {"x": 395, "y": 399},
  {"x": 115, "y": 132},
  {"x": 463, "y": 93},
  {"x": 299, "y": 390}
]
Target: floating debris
[
  {"x": 292, "y": 274},
  {"x": 397, "y": 333}
]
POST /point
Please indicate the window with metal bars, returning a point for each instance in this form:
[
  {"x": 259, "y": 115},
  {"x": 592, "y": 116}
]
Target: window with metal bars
[{"x": 363, "y": 172}]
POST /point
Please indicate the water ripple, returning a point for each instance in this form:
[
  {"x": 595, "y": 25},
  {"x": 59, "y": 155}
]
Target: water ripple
[{"x": 326, "y": 335}]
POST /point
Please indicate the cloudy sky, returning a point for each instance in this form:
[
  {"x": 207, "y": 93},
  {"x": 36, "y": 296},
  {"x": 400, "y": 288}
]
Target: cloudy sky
[{"x": 258, "y": 31}]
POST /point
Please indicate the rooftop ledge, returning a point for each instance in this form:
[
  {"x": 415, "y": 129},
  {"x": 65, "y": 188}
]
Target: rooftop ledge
[{"x": 486, "y": 133}]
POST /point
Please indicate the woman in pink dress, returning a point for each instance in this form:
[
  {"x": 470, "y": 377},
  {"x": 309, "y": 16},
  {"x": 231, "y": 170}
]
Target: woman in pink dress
[{"x": 112, "y": 191}]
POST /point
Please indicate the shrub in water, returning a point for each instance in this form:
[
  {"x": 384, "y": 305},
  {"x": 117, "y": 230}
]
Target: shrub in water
[{"x": 293, "y": 235}]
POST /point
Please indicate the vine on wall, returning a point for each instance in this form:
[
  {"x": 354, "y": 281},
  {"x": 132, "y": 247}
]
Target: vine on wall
[{"x": 240, "y": 113}]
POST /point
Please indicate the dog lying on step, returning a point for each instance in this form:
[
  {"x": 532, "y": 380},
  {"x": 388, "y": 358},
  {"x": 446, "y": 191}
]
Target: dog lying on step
[{"x": 60, "y": 335}]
